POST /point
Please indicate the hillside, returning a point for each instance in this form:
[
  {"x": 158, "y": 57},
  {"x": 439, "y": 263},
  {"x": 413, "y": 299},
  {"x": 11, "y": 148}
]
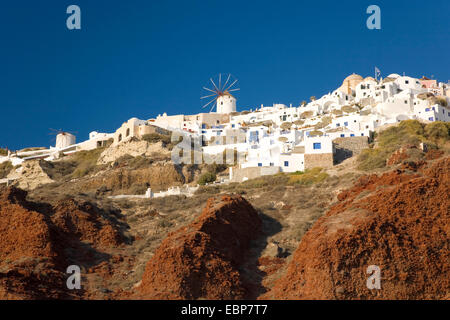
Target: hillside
[
  {"x": 399, "y": 221},
  {"x": 300, "y": 235}
]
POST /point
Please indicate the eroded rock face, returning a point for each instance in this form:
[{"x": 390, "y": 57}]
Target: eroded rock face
[
  {"x": 201, "y": 260},
  {"x": 159, "y": 176},
  {"x": 133, "y": 148},
  {"x": 397, "y": 221},
  {"x": 38, "y": 242},
  {"x": 30, "y": 175}
]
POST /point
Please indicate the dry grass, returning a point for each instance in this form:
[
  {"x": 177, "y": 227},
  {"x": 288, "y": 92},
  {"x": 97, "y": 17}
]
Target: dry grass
[
  {"x": 409, "y": 132},
  {"x": 309, "y": 177},
  {"x": 5, "y": 169}
]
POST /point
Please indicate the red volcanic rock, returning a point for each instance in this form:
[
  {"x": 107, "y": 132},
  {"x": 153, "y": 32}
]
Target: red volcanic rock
[
  {"x": 397, "y": 221},
  {"x": 34, "y": 243},
  {"x": 201, "y": 260},
  {"x": 83, "y": 221}
]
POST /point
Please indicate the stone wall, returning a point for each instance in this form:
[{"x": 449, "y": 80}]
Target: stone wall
[
  {"x": 323, "y": 160},
  {"x": 348, "y": 147}
]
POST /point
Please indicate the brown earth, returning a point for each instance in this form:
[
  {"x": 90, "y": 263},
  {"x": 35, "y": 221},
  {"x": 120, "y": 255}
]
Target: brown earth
[
  {"x": 39, "y": 241},
  {"x": 201, "y": 260},
  {"x": 398, "y": 221}
]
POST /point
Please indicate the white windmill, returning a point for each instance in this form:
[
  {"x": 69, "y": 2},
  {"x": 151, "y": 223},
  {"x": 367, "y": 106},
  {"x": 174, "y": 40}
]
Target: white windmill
[{"x": 219, "y": 95}]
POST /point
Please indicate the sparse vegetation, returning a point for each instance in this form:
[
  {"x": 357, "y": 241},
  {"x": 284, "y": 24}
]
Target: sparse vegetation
[
  {"x": 77, "y": 165},
  {"x": 409, "y": 132},
  {"x": 86, "y": 162},
  {"x": 134, "y": 163},
  {"x": 5, "y": 169},
  {"x": 156, "y": 137},
  {"x": 309, "y": 177},
  {"x": 3, "y": 152}
]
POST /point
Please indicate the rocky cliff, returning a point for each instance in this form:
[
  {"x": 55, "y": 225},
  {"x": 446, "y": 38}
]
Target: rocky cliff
[
  {"x": 202, "y": 259},
  {"x": 399, "y": 221},
  {"x": 39, "y": 241}
]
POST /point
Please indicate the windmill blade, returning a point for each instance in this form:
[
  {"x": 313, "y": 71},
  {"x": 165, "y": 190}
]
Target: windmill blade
[
  {"x": 212, "y": 108},
  {"x": 208, "y": 96},
  {"x": 231, "y": 85},
  {"x": 210, "y": 90},
  {"x": 229, "y": 75},
  {"x": 213, "y": 100},
  {"x": 214, "y": 84},
  {"x": 220, "y": 80},
  {"x": 237, "y": 89}
]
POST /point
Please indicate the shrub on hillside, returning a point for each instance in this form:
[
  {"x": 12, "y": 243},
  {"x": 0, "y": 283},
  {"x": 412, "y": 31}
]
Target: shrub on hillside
[
  {"x": 207, "y": 177},
  {"x": 3, "y": 152}
]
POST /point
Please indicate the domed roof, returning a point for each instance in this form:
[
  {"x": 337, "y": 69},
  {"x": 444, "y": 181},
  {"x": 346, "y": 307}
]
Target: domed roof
[
  {"x": 370, "y": 78},
  {"x": 393, "y": 76},
  {"x": 354, "y": 76}
]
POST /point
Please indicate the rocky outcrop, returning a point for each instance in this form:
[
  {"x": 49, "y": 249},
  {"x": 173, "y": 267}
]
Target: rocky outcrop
[
  {"x": 202, "y": 259},
  {"x": 38, "y": 242},
  {"x": 159, "y": 176},
  {"x": 30, "y": 175},
  {"x": 397, "y": 221},
  {"x": 133, "y": 148}
]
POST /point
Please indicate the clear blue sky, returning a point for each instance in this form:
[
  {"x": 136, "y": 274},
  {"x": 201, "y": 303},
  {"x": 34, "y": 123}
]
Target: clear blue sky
[{"x": 143, "y": 57}]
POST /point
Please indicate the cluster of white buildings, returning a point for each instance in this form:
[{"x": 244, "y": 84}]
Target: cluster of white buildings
[
  {"x": 284, "y": 137},
  {"x": 298, "y": 138}
]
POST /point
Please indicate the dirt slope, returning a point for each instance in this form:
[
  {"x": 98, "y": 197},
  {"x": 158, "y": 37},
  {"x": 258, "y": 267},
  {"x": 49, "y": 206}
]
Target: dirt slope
[
  {"x": 38, "y": 242},
  {"x": 398, "y": 221},
  {"x": 202, "y": 259}
]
